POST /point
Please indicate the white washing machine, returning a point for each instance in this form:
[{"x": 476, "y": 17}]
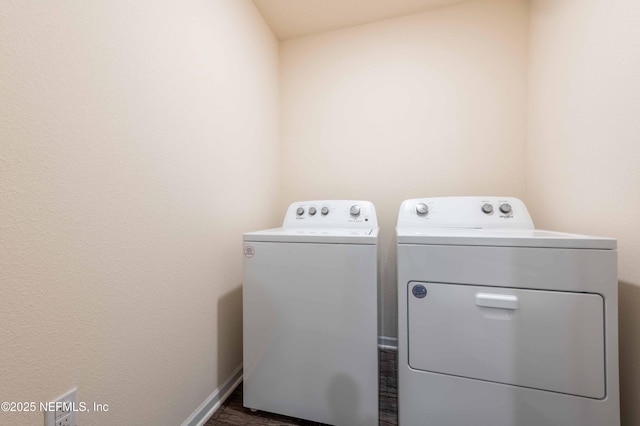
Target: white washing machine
[
  {"x": 501, "y": 324},
  {"x": 310, "y": 314}
]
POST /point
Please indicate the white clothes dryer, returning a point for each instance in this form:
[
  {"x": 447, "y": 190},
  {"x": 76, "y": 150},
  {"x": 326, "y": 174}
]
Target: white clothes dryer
[
  {"x": 310, "y": 314},
  {"x": 501, "y": 324}
]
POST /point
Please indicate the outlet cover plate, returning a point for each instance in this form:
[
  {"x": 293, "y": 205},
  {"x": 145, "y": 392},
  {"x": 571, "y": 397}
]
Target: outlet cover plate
[{"x": 66, "y": 410}]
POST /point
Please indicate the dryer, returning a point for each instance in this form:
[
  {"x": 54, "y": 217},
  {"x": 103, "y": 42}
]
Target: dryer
[
  {"x": 501, "y": 324},
  {"x": 310, "y": 314}
]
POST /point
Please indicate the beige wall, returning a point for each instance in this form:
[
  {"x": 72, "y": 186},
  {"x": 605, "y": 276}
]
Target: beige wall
[
  {"x": 133, "y": 137},
  {"x": 429, "y": 104},
  {"x": 583, "y": 156}
]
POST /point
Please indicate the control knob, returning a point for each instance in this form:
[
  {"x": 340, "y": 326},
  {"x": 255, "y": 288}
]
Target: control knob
[
  {"x": 422, "y": 209},
  {"x": 487, "y": 208},
  {"x": 324, "y": 211},
  {"x": 312, "y": 211},
  {"x": 300, "y": 211},
  {"x": 355, "y": 210},
  {"x": 505, "y": 208}
]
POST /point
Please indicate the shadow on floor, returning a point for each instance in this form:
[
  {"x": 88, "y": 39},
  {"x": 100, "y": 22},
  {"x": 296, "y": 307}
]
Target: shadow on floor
[{"x": 233, "y": 413}]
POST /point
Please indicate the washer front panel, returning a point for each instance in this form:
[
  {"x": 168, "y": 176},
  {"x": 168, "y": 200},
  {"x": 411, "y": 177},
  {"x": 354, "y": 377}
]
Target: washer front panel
[{"x": 310, "y": 331}]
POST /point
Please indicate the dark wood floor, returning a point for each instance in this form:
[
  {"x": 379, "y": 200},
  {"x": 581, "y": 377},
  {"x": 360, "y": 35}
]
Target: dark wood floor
[{"x": 233, "y": 413}]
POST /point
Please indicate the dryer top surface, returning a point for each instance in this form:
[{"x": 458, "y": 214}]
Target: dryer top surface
[
  {"x": 482, "y": 221},
  {"x": 502, "y": 237}
]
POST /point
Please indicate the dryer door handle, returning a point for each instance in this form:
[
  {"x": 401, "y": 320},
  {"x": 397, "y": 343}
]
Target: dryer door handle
[{"x": 501, "y": 301}]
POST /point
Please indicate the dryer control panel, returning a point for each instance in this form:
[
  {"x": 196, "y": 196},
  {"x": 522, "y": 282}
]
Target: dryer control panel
[
  {"x": 331, "y": 214},
  {"x": 464, "y": 212}
]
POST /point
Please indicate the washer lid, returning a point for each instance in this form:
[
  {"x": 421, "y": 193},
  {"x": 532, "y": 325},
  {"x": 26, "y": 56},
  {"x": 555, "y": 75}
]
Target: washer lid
[
  {"x": 501, "y": 237},
  {"x": 315, "y": 235}
]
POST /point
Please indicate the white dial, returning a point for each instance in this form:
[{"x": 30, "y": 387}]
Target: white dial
[
  {"x": 324, "y": 211},
  {"x": 422, "y": 209},
  {"x": 312, "y": 211},
  {"x": 355, "y": 210},
  {"x": 300, "y": 211},
  {"x": 505, "y": 208},
  {"x": 487, "y": 208}
]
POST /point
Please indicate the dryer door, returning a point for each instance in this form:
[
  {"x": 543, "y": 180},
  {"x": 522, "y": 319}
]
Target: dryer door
[{"x": 548, "y": 340}]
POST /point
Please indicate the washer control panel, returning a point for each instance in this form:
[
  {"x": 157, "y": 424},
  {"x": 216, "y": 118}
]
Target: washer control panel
[
  {"x": 331, "y": 214},
  {"x": 465, "y": 212}
]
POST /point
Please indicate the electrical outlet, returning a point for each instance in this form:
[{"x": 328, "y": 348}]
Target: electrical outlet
[
  {"x": 65, "y": 421},
  {"x": 63, "y": 410}
]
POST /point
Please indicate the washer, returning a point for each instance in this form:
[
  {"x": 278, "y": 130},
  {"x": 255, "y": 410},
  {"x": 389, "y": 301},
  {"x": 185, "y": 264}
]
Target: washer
[
  {"x": 310, "y": 314},
  {"x": 501, "y": 324}
]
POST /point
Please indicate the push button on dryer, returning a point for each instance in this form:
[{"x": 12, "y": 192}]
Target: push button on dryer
[{"x": 419, "y": 291}]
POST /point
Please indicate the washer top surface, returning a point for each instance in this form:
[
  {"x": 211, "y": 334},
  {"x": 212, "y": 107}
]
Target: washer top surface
[
  {"x": 482, "y": 221},
  {"x": 315, "y": 235},
  {"x": 325, "y": 221}
]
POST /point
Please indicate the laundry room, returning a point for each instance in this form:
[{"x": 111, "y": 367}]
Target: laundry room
[{"x": 140, "y": 140}]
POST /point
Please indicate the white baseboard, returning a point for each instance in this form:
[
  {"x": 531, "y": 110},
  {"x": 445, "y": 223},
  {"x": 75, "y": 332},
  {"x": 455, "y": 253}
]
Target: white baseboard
[
  {"x": 386, "y": 342},
  {"x": 215, "y": 400}
]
